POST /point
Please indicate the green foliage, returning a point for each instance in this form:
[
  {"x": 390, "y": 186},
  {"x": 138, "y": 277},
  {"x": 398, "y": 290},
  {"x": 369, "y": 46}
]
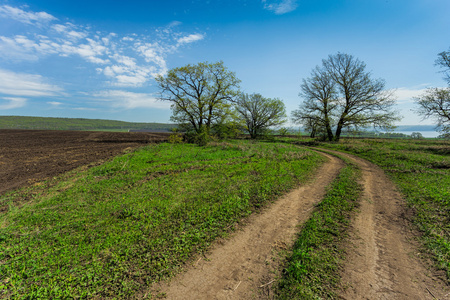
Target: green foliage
[
  {"x": 176, "y": 138},
  {"x": 113, "y": 230},
  {"x": 421, "y": 169},
  {"x": 312, "y": 271},
  {"x": 227, "y": 129},
  {"x": 283, "y": 131},
  {"x": 199, "y": 94},
  {"x": 200, "y": 138},
  {"x": 416, "y": 135},
  {"x": 259, "y": 113}
]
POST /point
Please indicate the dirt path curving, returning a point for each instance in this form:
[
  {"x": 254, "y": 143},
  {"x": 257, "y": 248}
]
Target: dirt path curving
[
  {"x": 383, "y": 262},
  {"x": 382, "y": 258},
  {"x": 238, "y": 268}
]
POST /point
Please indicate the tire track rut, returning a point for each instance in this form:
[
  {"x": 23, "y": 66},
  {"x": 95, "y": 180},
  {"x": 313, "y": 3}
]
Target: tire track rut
[
  {"x": 383, "y": 262},
  {"x": 382, "y": 259},
  {"x": 237, "y": 268}
]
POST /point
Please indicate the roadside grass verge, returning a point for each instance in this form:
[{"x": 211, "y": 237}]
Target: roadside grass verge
[
  {"x": 421, "y": 169},
  {"x": 312, "y": 270},
  {"x": 114, "y": 229}
]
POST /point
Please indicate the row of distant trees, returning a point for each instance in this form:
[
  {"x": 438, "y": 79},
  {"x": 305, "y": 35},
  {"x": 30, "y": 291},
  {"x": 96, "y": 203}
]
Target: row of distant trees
[
  {"x": 206, "y": 100},
  {"x": 339, "y": 95}
]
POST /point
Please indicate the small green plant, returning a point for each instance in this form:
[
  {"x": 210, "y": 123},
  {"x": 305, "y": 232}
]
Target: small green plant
[
  {"x": 283, "y": 131},
  {"x": 176, "y": 138},
  {"x": 113, "y": 230},
  {"x": 312, "y": 270}
]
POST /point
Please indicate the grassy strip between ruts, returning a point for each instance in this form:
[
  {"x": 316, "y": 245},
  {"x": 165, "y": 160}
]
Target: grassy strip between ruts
[
  {"x": 312, "y": 270},
  {"x": 113, "y": 230},
  {"x": 421, "y": 169}
]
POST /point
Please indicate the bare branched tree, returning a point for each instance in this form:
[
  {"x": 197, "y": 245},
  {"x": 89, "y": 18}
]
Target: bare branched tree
[
  {"x": 320, "y": 99},
  {"x": 435, "y": 104},
  {"x": 443, "y": 61},
  {"x": 341, "y": 93}
]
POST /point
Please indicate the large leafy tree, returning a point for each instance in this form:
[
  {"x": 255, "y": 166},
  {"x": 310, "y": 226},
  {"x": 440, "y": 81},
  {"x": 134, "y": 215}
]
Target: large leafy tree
[
  {"x": 342, "y": 94},
  {"x": 200, "y": 94},
  {"x": 259, "y": 113}
]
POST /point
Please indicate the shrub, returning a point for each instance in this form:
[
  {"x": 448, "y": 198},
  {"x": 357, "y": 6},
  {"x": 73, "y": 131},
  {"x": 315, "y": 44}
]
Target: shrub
[{"x": 176, "y": 138}]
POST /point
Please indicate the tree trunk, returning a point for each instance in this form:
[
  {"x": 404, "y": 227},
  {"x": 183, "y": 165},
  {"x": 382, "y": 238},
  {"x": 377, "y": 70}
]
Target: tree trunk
[
  {"x": 328, "y": 128},
  {"x": 338, "y": 131}
]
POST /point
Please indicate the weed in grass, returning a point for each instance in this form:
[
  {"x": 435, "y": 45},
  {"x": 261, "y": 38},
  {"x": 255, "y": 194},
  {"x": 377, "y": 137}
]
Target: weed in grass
[
  {"x": 311, "y": 270},
  {"x": 114, "y": 229}
]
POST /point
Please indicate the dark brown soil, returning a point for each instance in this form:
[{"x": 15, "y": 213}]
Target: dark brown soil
[{"x": 30, "y": 156}]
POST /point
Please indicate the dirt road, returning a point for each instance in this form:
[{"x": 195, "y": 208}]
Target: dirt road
[
  {"x": 238, "y": 268},
  {"x": 382, "y": 262}
]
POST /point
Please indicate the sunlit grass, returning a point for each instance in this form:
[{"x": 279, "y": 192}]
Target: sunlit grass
[
  {"x": 114, "y": 229},
  {"x": 421, "y": 169},
  {"x": 312, "y": 270}
]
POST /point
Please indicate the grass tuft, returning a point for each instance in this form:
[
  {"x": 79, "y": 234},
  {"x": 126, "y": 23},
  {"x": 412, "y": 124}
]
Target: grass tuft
[
  {"x": 421, "y": 169},
  {"x": 114, "y": 229},
  {"x": 312, "y": 269}
]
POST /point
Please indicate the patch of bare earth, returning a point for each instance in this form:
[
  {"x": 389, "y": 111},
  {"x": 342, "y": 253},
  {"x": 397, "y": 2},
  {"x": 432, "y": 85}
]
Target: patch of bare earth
[
  {"x": 31, "y": 156},
  {"x": 383, "y": 261},
  {"x": 239, "y": 268}
]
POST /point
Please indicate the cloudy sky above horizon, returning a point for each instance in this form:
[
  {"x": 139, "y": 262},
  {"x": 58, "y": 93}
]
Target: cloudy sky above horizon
[{"x": 98, "y": 59}]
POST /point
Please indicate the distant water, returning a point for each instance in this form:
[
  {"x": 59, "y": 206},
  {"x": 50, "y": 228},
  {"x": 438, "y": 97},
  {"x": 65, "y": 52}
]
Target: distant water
[{"x": 427, "y": 134}]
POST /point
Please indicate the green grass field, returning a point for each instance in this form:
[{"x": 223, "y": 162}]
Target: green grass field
[
  {"x": 421, "y": 169},
  {"x": 19, "y": 122},
  {"x": 114, "y": 229}
]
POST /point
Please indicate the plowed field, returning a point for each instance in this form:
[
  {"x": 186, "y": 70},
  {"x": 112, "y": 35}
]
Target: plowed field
[{"x": 30, "y": 156}]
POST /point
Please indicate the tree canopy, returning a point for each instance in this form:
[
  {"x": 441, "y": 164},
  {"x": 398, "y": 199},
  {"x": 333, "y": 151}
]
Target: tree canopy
[
  {"x": 259, "y": 113},
  {"x": 342, "y": 94},
  {"x": 200, "y": 94}
]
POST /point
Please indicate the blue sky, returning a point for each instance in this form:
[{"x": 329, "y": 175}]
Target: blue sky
[{"x": 98, "y": 59}]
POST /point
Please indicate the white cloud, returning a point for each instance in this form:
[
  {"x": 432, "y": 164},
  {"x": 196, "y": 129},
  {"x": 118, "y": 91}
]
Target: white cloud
[
  {"x": 12, "y": 102},
  {"x": 280, "y": 7},
  {"x": 54, "y": 103},
  {"x": 174, "y": 24},
  {"x": 130, "y": 100},
  {"x": 126, "y": 61},
  {"x": 407, "y": 95},
  {"x": 28, "y": 85},
  {"x": 127, "y": 72},
  {"x": 134, "y": 80},
  {"x": 13, "y": 50},
  {"x": 154, "y": 53},
  {"x": 190, "y": 38},
  {"x": 31, "y": 18}
]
